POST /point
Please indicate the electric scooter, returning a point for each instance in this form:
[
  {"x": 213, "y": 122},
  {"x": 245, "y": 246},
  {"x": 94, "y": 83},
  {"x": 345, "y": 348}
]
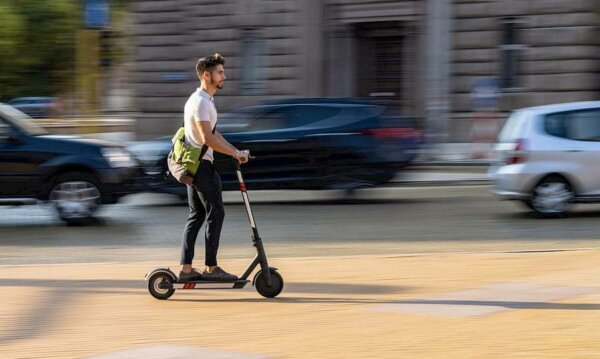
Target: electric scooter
[{"x": 162, "y": 282}]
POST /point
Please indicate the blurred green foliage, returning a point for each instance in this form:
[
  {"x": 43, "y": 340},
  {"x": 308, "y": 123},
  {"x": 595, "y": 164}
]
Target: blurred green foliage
[{"x": 37, "y": 46}]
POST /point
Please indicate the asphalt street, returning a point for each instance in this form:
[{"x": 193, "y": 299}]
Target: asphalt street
[
  {"x": 397, "y": 220},
  {"x": 406, "y": 271}
]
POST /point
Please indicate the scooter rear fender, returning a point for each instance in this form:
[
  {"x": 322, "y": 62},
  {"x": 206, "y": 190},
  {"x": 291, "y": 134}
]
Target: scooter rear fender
[{"x": 166, "y": 271}]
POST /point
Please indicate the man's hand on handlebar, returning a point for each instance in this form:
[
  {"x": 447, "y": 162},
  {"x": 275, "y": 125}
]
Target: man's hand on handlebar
[{"x": 242, "y": 156}]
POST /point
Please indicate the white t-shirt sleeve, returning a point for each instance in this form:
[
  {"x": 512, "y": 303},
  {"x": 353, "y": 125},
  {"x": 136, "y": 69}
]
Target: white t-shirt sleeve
[{"x": 201, "y": 112}]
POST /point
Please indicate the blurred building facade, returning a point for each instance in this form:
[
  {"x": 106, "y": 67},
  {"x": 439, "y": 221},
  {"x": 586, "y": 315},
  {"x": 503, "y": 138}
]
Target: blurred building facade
[{"x": 435, "y": 59}]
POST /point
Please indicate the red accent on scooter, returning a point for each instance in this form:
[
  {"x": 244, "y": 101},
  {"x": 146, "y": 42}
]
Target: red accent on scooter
[{"x": 243, "y": 187}]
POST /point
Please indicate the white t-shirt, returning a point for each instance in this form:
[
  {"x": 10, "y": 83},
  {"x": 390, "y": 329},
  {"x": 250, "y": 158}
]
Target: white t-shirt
[{"x": 199, "y": 107}]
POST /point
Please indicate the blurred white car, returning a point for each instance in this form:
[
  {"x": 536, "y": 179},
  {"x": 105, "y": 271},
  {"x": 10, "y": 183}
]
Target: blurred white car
[{"x": 548, "y": 157}]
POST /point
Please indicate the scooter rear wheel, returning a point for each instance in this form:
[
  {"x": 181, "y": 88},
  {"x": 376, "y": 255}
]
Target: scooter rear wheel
[
  {"x": 160, "y": 286},
  {"x": 276, "y": 284}
]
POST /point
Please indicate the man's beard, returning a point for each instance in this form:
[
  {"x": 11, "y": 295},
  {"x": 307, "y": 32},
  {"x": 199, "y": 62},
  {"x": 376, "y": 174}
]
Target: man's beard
[{"x": 218, "y": 85}]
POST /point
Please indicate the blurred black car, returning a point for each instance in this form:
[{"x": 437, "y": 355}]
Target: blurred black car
[
  {"x": 38, "y": 107},
  {"x": 75, "y": 174},
  {"x": 302, "y": 144}
]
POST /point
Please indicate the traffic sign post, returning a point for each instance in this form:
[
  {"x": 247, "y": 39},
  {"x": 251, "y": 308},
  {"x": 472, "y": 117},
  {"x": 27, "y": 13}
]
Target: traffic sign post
[
  {"x": 485, "y": 126},
  {"x": 96, "y": 16}
]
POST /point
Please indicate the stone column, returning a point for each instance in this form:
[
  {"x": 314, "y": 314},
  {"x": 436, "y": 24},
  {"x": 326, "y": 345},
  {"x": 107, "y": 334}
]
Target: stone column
[{"x": 437, "y": 85}]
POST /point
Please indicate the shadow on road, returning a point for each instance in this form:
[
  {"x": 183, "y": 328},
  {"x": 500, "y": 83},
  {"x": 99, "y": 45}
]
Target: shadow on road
[
  {"x": 106, "y": 284},
  {"x": 60, "y": 294},
  {"x": 331, "y": 300},
  {"x": 527, "y": 215}
]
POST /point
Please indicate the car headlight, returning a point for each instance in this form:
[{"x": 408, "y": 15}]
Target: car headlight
[{"x": 118, "y": 157}]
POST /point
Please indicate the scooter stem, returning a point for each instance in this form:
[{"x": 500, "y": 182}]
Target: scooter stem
[
  {"x": 238, "y": 172},
  {"x": 261, "y": 257}
]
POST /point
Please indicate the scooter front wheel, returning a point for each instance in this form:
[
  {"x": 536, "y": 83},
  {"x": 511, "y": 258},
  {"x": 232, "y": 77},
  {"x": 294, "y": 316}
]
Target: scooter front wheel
[
  {"x": 276, "y": 284},
  {"x": 160, "y": 286}
]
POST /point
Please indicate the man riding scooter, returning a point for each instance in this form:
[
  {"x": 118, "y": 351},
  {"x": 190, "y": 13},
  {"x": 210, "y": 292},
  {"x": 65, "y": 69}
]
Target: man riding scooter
[{"x": 204, "y": 195}]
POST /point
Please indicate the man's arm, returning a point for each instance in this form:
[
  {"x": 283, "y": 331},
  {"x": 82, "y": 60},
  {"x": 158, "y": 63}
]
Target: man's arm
[{"x": 218, "y": 143}]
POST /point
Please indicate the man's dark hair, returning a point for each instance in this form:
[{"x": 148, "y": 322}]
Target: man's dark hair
[{"x": 207, "y": 63}]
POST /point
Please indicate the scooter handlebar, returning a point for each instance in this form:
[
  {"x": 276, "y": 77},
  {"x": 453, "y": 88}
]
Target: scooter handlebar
[{"x": 236, "y": 163}]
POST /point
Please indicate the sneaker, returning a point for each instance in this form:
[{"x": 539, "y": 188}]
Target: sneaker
[
  {"x": 219, "y": 275},
  {"x": 191, "y": 276}
]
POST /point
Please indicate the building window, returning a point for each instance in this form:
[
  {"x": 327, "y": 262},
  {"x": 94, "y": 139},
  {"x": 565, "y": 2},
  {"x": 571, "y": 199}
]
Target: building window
[
  {"x": 253, "y": 48},
  {"x": 511, "y": 50}
]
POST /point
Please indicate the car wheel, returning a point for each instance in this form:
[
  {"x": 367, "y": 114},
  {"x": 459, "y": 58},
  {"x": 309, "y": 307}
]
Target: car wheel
[
  {"x": 75, "y": 196},
  {"x": 552, "y": 197}
]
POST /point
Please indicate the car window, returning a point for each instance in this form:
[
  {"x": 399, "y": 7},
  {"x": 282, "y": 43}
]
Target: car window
[
  {"x": 248, "y": 120},
  {"x": 305, "y": 114},
  {"x": 513, "y": 128},
  {"x": 292, "y": 116},
  {"x": 237, "y": 120},
  {"x": 22, "y": 102},
  {"x": 269, "y": 120},
  {"x": 581, "y": 125},
  {"x": 584, "y": 125},
  {"x": 555, "y": 125}
]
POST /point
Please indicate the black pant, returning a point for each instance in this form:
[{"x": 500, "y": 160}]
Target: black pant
[{"x": 206, "y": 203}]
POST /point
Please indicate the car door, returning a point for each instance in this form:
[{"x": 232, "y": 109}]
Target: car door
[
  {"x": 583, "y": 132},
  {"x": 13, "y": 172},
  {"x": 6, "y": 185},
  {"x": 20, "y": 160}
]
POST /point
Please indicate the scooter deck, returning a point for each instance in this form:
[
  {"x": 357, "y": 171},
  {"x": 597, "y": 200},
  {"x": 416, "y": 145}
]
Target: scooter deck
[{"x": 210, "y": 284}]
